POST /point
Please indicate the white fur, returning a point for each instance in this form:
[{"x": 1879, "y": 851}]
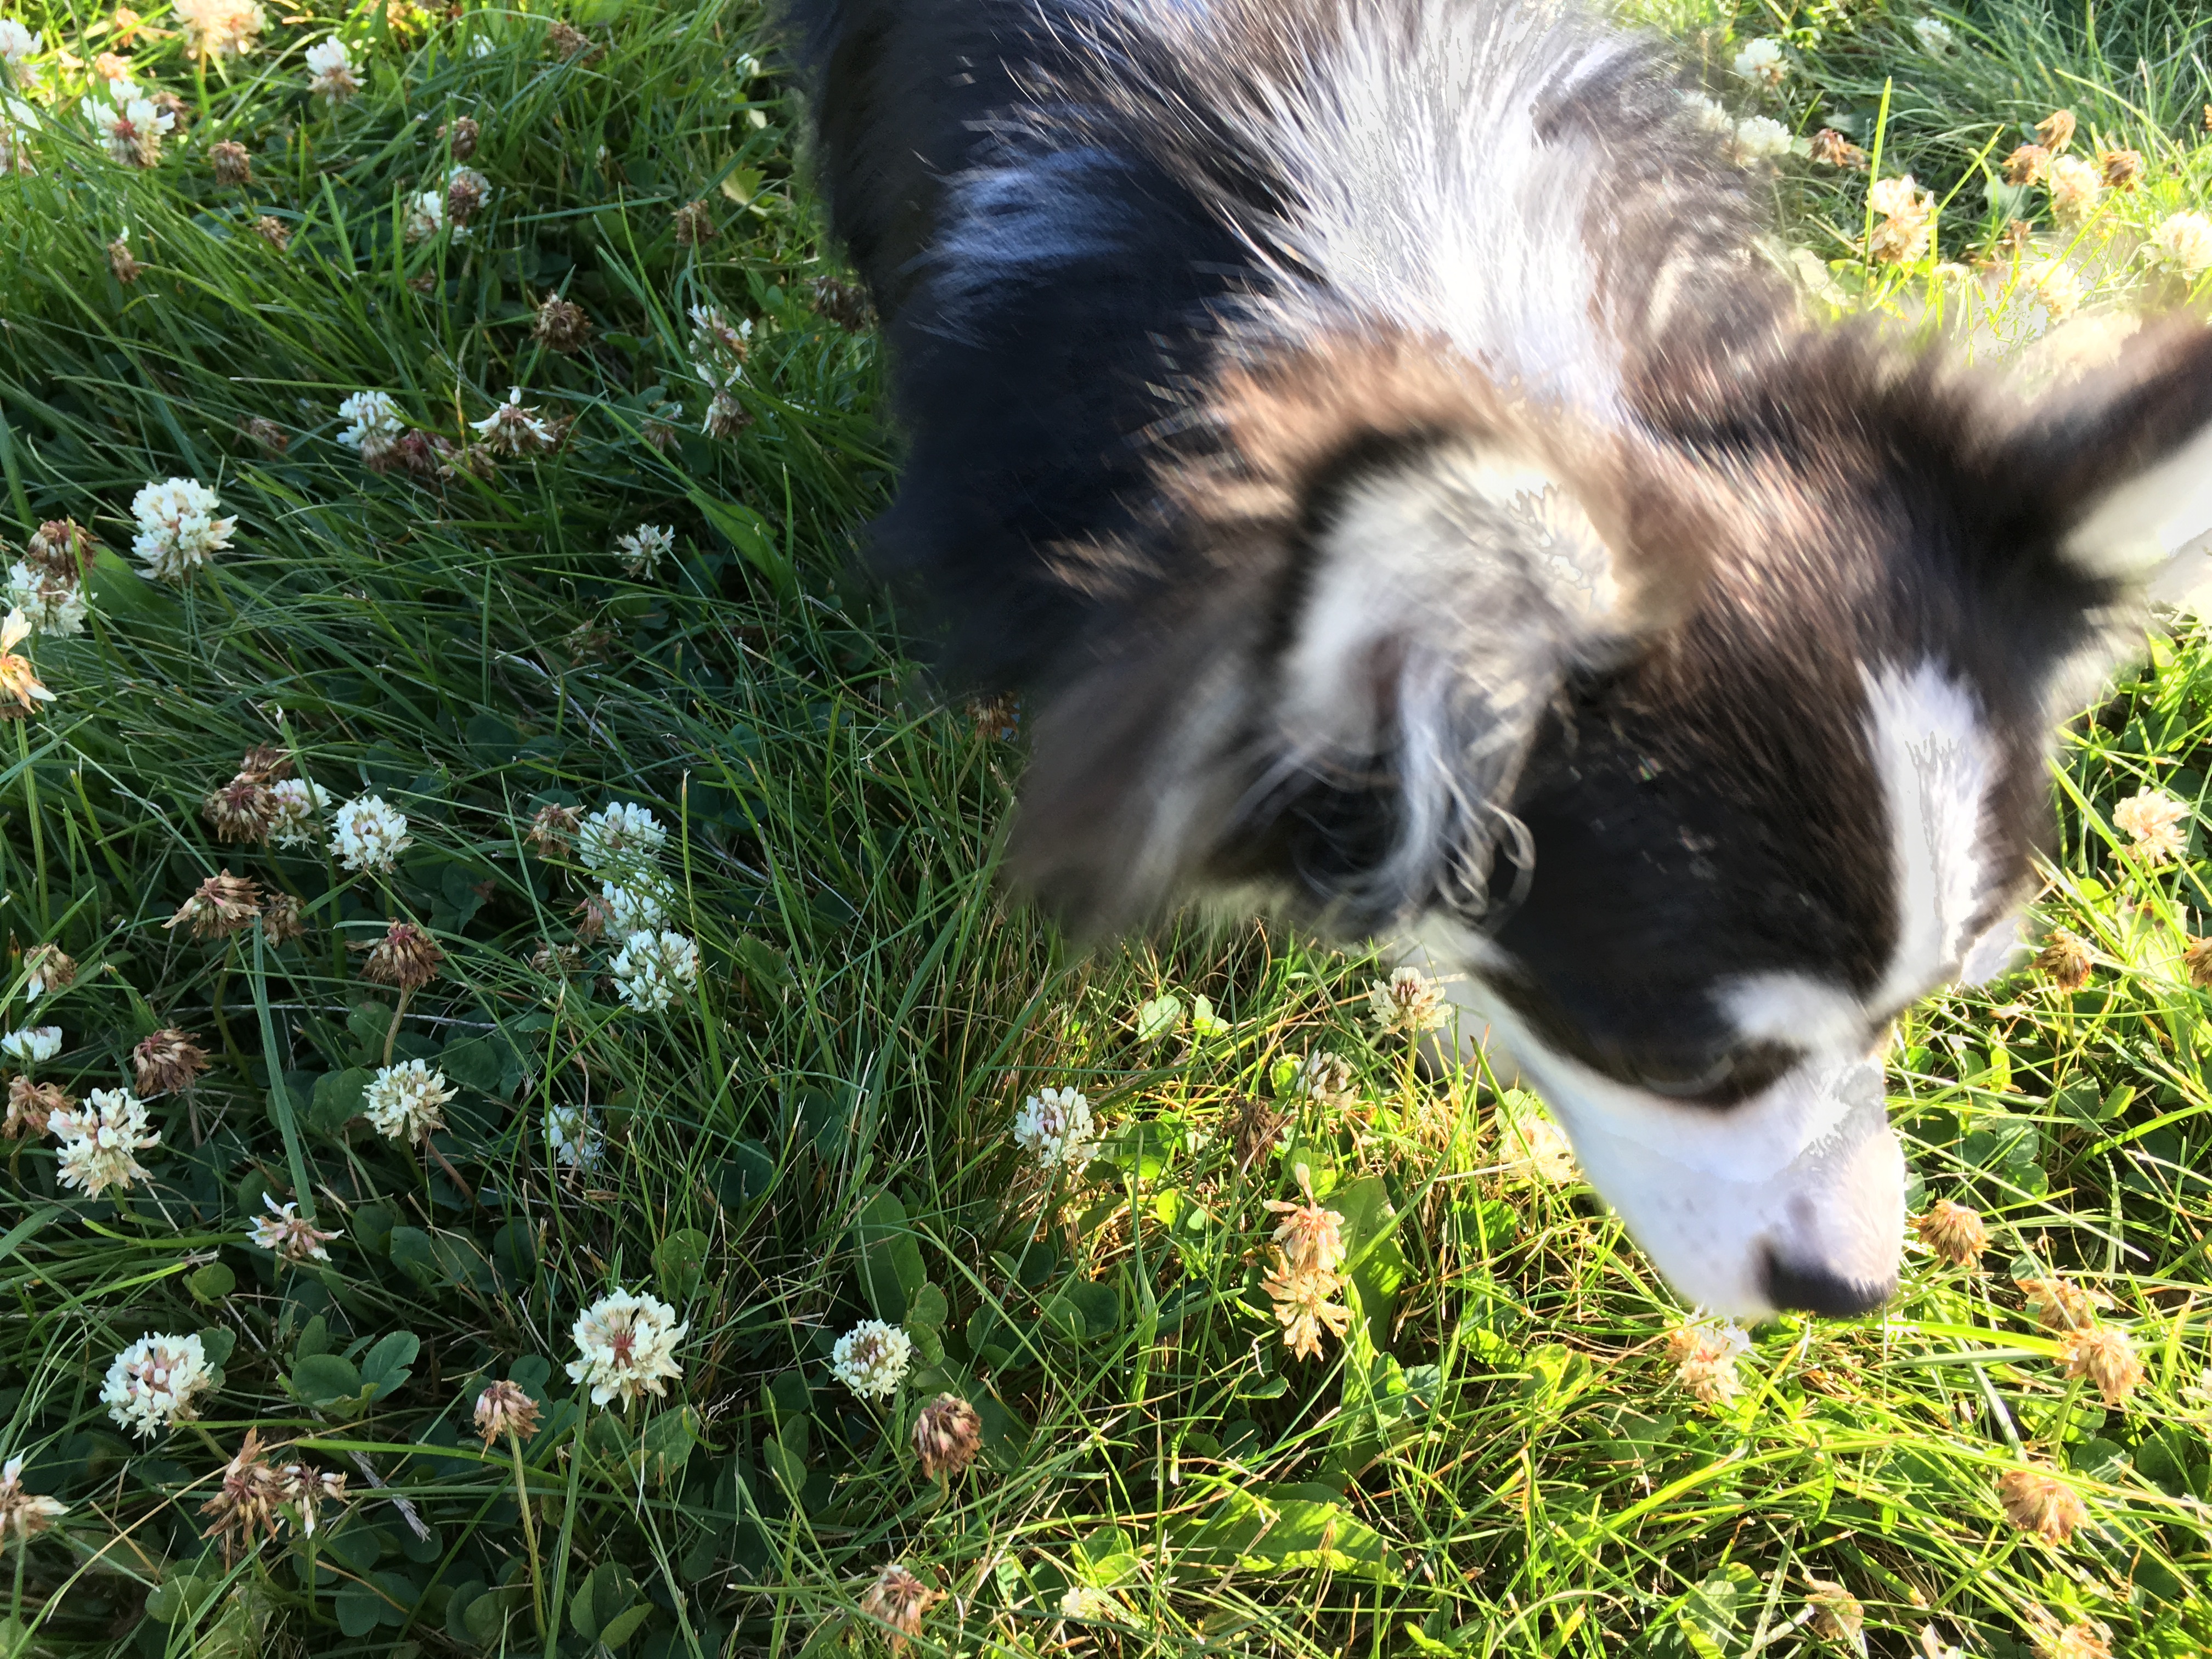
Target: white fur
[
  {"x": 1935, "y": 762},
  {"x": 1426, "y": 194},
  {"x": 1462, "y": 583},
  {"x": 1404, "y": 545},
  {"x": 2153, "y": 517},
  {"x": 1808, "y": 1171},
  {"x": 1792, "y": 1008}
]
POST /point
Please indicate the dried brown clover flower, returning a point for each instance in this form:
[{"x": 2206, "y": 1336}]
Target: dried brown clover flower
[
  {"x": 562, "y": 325},
  {"x": 63, "y": 547},
  {"x": 266, "y": 763},
  {"x": 240, "y": 809},
  {"x": 503, "y": 1408},
  {"x": 1835, "y": 1615},
  {"x": 565, "y": 41},
  {"x": 2035, "y": 1502},
  {"x": 2060, "y": 1305},
  {"x": 2123, "y": 168},
  {"x": 2028, "y": 165},
  {"x": 31, "y": 1105},
  {"x": 405, "y": 957},
  {"x": 462, "y": 133},
  {"x": 2107, "y": 1359},
  {"x": 264, "y": 435},
  {"x": 2064, "y": 960},
  {"x": 1953, "y": 1233},
  {"x": 232, "y": 163},
  {"x": 166, "y": 1061},
  {"x": 553, "y": 829},
  {"x": 221, "y": 905},
  {"x": 2056, "y": 130},
  {"x": 946, "y": 1436},
  {"x": 281, "y": 921},
  {"x": 1831, "y": 149},
  {"x": 899, "y": 1600},
  {"x": 2085, "y": 1638},
  {"x": 695, "y": 224},
  {"x": 47, "y": 968},
  {"x": 843, "y": 303}
]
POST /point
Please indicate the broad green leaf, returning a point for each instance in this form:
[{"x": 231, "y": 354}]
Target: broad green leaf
[{"x": 891, "y": 1270}]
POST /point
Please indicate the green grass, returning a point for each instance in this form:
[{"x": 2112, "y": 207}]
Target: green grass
[{"x": 1497, "y": 1460}]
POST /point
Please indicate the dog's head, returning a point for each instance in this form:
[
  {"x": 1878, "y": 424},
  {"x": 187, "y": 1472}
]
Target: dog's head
[{"x": 1694, "y": 758}]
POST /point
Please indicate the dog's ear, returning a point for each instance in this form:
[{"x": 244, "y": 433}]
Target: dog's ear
[
  {"x": 2118, "y": 467},
  {"x": 1331, "y": 712}
]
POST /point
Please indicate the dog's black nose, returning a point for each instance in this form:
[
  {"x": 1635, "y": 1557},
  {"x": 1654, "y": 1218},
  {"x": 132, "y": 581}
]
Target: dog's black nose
[{"x": 1814, "y": 1289}]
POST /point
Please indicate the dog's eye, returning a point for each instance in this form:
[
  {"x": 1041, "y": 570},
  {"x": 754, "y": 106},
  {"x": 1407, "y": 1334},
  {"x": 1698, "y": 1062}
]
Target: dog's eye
[{"x": 1736, "y": 1075}]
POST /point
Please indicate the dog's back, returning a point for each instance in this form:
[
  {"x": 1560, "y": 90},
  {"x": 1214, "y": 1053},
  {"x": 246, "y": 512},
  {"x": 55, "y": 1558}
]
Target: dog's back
[{"x": 1075, "y": 216}]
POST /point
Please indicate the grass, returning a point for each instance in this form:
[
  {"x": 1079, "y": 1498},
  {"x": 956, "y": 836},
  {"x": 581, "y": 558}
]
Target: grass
[{"x": 1497, "y": 1458}]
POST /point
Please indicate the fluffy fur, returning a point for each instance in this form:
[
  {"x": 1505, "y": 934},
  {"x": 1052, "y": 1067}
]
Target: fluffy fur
[{"x": 1366, "y": 432}]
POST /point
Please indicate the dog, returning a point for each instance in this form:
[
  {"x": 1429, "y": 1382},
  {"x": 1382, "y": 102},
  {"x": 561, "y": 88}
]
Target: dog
[{"x": 1367, "y": 435}]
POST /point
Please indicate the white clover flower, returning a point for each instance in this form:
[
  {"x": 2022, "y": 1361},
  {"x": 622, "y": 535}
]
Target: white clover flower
[
  {"x": 17, "y": 120},
  {"x": 619, "y": 840},
  {"x": 573, "y": 1133},
  {"x": 18, "y": 42},
  {"x": 33, "y": 1043},
  {"x": 628, "y": 1344},
  {"x": 1530, "y": 1145},
  {"x": 154, "y": 1383},
  {"x": 129, "y": 125},
  {"x": 2076, "y": 186},
  {"x": 296, "y": 807},
  {"x": 2155, "y": 823},
  {"x": 288, "y": 1235},
  {"x": 178, "y": 531},
  {"x": 367, "y": 835},
  {"x": 1707, "y": 114},
  {"x": 1407, "y": 1003},
  {"x": 653, "y": 966},
  {"x": 1760, "y": 138},
  {"x": 100, "y": 1140},
  {"x": 872, "y": 1358},
  {"x": 226, "y": 28},
  {"x": 1761, "y": 63},
  {"x": 639, "y": 905},
  {"x": 2054, "y": 283},
  {"x": 1935, "y": 35},
  {"x": 515, "y": 427},
  {"x": 371, "y": 421},
  {"x": 719, "y": 347},
  {"x": 330, "y": 68},
  {"x": 481, "y": 46},
  {"x": 406, "y": 1101},
  {"x": 726, "y": 417},
  {"x": 49, "y": 603},
  {"x": 1055, "y": 1124},
  {"x": 426, "y": 215},
  {"x": 641, "y": 550},
  {"x": 2185, "y": 240},
  {"x": 47, "y": 969},
  {"x": 22, "y": 1513},
  {"x": 1323, "y": 1077}
]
